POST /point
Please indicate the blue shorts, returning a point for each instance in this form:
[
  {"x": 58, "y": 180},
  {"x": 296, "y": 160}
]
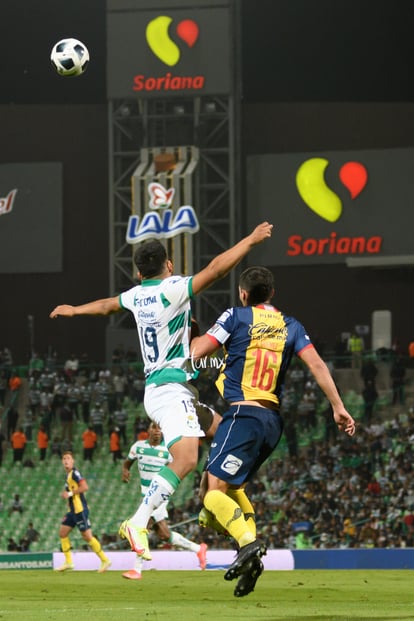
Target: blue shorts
[
  {"x": 244, "y": 439},
  {"x": 81, "y": 520}
]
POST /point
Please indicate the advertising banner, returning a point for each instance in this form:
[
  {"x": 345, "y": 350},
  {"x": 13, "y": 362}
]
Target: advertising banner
[
  {"x": 332, "y": 206},
  {"x": 168, "y": 52},
  {"x": 27, "y": 560}
]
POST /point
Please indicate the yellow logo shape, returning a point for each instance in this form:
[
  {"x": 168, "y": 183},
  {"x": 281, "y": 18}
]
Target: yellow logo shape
[
  {"x": 160, "y": 42},
  {"x": 311, "y": 185}
]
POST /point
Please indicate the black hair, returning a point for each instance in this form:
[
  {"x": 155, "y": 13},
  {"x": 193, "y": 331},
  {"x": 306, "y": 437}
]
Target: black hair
[
  {"x": 259, "y": 284},
  {"x": 150, "y": 258}
]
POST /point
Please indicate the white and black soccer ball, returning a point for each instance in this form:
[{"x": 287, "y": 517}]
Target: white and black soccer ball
[{"x": 70, "y": 57}]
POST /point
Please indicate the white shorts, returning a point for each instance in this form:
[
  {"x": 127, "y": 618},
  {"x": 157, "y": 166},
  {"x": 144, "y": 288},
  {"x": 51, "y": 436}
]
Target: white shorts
[{"x": 173, "y": 408}]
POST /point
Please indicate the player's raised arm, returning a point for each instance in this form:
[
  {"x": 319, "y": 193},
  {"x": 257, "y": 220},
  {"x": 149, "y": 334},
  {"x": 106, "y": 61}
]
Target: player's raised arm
[
  {"x": 322, "y": 375},
  {"x": 106, "y": 306},
  {"x": 226, "y": 261}
]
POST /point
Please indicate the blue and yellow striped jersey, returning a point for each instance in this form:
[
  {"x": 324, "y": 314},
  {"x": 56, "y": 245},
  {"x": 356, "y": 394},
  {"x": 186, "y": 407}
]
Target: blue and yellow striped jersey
[
  {"x": 259, "y": 342},
  {"x": 77, "y": 503}
]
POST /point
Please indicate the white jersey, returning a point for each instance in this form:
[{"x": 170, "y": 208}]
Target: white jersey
[
  {"x": 162, "y": 313},
  {"x": 150, "y": 460}
]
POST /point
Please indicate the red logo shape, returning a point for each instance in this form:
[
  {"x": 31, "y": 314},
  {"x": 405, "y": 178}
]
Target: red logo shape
[
  {"x": 354, "y": 176},
  {"x": 188, "y": 31}
]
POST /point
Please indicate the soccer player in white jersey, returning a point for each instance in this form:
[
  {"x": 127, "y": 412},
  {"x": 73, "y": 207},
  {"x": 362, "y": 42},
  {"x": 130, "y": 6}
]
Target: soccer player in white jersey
[
  {"x": 161, "y": 305},
  {"x": 151, "y": 455}
]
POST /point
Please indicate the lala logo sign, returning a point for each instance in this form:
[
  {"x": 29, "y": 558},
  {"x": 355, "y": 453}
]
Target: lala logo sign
[
  {"x": 7, "y": 203},
  {"x": 162, "y": 222},
  {"x": 161, "y": 44},
  {"x": 315, "y": 193}
]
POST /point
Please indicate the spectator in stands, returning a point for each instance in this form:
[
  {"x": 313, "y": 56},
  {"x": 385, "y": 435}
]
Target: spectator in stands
[
  {"x": 138, "y": 387},
  {"x": 97, "y": 417},
  {"x": 369, "y": 371},
  {"x": 18, "y": 442},
  {"x": 42, "y": 442},
  {"x": 16, "y": 506},
  {"x": 7, "y": 358},
  {"x": 89, "y": 440},
  {"x": 397, "y": 374},
  {"x": 15, "y": 382},
  {"x": 31, "y": 534},
  {"x": 73, "y": 397},
  {"x": 71, "y": 366},
  {"x": 36, "y": 365},
  {"x": 115, "y": 445},
  {"x": 120, "y": 382},
  {"x": 66, "y": 417},
  {"x": 355, "y": 348},
  {"x": 288, "y": 411},
  {"x": 85, "y": 398},
  {"x": 370, "y": 396},
  {"x": 12, "y": 545},
  {"x": 120, "y": 419},
  {"x": 24, "y": 545},
  {"x": 12, "y": 418},
  {"x": 28, "y": 424}
]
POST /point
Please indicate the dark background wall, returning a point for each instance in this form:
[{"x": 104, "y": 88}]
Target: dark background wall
[
  {"x": 77, "y": 136},
  {"x": 315, "y": 76}
]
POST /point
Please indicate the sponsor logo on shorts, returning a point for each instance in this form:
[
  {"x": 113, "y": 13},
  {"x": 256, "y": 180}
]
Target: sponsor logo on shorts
[{"x": 231, "y": 464}]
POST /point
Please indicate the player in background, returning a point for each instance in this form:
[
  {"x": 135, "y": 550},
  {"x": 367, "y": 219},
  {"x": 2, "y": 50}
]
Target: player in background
[
  {"x": 259, "y": 341},
  {"x": 161, "y": 305},
  {"x": 78, "y": 515},
  {"x": 151, "y": 455}
]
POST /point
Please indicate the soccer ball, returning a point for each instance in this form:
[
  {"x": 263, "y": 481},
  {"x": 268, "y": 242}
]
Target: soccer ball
[{"x": 70, "y": 57}]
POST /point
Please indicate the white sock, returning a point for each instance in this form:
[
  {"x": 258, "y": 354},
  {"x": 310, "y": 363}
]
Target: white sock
[
  {"x": 159, "y": 491},
  {"x": 139, "y": 561},
  {"x": 181, "y": 542}
]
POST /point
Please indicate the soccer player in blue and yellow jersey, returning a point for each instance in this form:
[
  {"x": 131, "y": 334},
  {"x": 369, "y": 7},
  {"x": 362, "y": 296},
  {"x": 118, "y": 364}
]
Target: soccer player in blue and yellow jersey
[
  {"x": 78, "y": 515},
  {"x": 259, "y": 342}
]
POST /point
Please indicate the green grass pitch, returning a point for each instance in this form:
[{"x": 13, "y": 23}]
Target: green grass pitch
[{"x": 319, "y": 595}]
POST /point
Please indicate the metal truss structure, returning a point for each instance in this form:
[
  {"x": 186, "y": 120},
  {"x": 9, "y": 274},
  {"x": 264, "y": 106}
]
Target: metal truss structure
[{"x": 209, "y": 127}]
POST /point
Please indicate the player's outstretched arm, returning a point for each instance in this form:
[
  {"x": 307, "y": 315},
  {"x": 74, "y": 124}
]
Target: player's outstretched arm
[
  {"x": 106, "y": 306},
  {"x": 322, "y": 375},
  {"x": 226, "y": 261}
]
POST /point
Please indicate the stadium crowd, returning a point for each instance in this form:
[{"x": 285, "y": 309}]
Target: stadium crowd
[{"x": 320, "y": 489}]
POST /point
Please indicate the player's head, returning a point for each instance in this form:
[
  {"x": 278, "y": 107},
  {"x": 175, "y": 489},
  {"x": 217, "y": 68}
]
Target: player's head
[
  {"x": 68, "y": 460},
  {"x": 154, "y": 434},
  {"x": 256, "y": 286},
  {"x": 151, "y": 259}
]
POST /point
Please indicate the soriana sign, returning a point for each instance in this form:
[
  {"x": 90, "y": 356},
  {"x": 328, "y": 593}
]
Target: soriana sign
[
  {"x": 330, "y": 206},
  {"x": 168, "y": 52}
]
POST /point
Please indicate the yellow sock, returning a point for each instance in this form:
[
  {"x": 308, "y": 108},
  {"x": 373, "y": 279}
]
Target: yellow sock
[
  {"x": 230, "y": 516},
  {"x": 97, "y": 548},
  {"x": 239, "y": 496},
  {"x": 65, "y": 545}
]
